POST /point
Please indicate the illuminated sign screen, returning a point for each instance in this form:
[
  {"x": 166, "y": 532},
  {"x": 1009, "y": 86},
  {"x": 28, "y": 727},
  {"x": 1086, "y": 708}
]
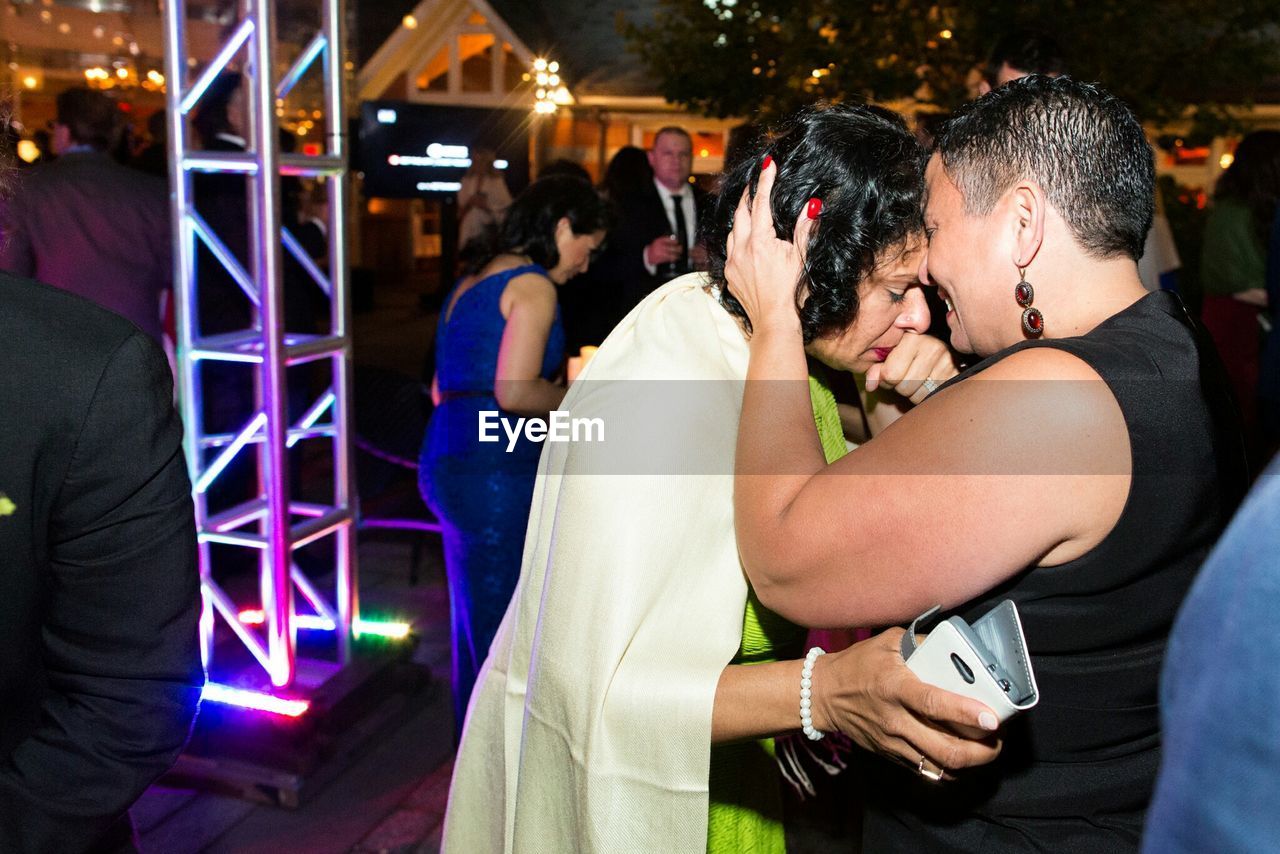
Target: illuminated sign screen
[{"x": 407, "y": 150}]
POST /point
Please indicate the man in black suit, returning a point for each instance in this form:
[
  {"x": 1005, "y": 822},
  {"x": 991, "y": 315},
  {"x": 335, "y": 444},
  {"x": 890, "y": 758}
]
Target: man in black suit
[
  {"x": 657, "y": 234},
  {"x": 100, "y": 673},
  {"x": 87, "y": 224},
  {"x": 647, "y": 246}
]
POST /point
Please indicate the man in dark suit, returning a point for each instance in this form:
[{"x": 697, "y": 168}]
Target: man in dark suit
[
  {"x": 88, "y": 225},
  {"x": 100, "y": 674},
  {"x": 657, "y": 234}
]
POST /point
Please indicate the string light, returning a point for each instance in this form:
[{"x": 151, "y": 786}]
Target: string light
[{"x": 551, "y": 93}]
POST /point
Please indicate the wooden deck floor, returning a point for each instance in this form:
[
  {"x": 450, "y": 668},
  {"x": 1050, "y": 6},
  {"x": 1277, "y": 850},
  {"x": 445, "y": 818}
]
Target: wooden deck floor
[{"x": 388, "y": 796}]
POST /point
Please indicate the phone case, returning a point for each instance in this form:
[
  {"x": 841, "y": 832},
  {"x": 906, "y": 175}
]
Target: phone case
[{"x": 987, "y": 661}]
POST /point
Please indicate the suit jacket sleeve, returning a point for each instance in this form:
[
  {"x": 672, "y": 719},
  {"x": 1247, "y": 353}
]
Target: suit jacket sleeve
[{"x": 119, "y": 627}]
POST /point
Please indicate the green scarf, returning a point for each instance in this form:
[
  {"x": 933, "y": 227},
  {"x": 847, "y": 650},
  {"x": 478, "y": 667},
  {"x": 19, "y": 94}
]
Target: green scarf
[{"x": 745, "y": 815}]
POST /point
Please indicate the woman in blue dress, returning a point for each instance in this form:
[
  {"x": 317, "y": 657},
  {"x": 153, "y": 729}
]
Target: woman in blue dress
[{"x": 499, "y": 348}]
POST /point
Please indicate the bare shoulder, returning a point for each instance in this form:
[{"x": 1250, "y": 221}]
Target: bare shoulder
[
  {"x": 534, "y": 288},
  {"x": 1057, "y": 394},
  {"x": 531, "y": 293},
  {"x": 1041, "y": 363},
  {"x": 1039, "y": 411}
]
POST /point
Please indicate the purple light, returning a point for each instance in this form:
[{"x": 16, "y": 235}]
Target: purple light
[
  {"x": 255, "y": 700},
  {"x": 379, "y": 628}
]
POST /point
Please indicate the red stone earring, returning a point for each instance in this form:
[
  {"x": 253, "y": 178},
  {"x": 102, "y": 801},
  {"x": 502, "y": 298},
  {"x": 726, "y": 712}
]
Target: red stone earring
[{"x": 1032, "y": 319}]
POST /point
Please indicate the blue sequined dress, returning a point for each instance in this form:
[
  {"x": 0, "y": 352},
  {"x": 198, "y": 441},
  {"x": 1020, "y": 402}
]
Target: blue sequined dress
[{"x": 479, "y": 491}]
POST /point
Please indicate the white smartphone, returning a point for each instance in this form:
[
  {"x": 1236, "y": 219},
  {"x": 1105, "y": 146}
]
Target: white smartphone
[{"x": 987, "y": 662}]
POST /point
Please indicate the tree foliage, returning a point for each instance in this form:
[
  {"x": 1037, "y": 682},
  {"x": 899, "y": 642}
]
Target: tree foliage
[{"x": 768, "y": 57}]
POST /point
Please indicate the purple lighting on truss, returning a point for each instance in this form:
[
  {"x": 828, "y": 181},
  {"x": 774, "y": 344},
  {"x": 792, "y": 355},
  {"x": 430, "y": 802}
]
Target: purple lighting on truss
[{"x": 258, "y": 701}]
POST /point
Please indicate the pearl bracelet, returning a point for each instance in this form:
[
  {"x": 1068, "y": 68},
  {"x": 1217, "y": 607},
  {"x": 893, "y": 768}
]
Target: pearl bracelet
[{"x": 806, "y": 683}]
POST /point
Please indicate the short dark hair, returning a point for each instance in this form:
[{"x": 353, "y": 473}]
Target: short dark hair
[
  {"x": 1080, "y": 143},
  {"x": 530, "y": 226},
  {"x": 868, "y": 170},
  {"x": 90, "y": 116},
  {"x": 676, "y": 129},
  {"x": 1028, "y": 51}
]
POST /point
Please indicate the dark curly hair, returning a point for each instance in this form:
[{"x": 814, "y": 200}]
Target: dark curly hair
[
  {"x": 530, "y": 225},
  {"x": 868, "y": 170}
]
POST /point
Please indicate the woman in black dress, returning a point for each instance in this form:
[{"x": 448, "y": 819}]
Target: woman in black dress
[{"x": 1082, "y": 469}]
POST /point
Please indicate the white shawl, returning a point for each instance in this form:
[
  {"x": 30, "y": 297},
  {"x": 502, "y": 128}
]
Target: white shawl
[{"x": 590, "y": 726}]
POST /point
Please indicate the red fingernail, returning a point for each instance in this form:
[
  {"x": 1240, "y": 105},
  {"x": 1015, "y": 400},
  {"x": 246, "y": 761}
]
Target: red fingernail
[
  {"x": 814, "y": 210},
  {"x": 765, "y": 163}
]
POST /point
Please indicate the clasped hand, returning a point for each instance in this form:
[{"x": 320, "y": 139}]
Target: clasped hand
[{"x": 868, "y": 693}]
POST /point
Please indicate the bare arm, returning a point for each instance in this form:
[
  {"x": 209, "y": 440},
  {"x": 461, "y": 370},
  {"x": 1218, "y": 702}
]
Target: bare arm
[
  {"x": 529, "y": 305},
  {"x": 853, "y": 423},
  {"x": 868, "y": 693},
  {"x": 891, "y": 388},
  {"x": 883, "y": 408},
  {"x": 983, "y": 480},
  {"x": 1027, "y": 464}
]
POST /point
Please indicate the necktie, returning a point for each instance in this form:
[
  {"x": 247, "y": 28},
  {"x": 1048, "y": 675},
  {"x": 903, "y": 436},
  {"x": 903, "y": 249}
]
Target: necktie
[{"x": 682, "y": 230}]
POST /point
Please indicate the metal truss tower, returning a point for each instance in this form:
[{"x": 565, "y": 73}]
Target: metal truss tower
[{"x": 272, "y": 524}]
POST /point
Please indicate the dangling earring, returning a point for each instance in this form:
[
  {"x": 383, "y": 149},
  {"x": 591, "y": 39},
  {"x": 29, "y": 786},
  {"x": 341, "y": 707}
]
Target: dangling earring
[{"x": 1032, "y": 319}]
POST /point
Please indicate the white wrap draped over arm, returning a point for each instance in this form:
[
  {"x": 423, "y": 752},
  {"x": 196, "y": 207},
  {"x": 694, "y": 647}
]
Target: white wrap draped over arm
[{"x": 590, "y": 726}]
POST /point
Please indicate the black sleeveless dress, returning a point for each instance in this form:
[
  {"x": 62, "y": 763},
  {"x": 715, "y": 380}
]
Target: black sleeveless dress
[{"x": 1077, "y": 771}]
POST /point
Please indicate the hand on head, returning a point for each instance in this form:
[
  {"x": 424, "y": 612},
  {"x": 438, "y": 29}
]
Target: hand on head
[{"x": 762, "y": 271}]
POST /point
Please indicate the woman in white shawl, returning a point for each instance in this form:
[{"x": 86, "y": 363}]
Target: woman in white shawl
[{"x": 632, "y": 643}]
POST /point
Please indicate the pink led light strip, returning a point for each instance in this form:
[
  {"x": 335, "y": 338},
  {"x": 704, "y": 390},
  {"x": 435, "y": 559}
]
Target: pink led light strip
[
  {"x": 256, "y": 700},
  {"x": 395, "y": 631}
]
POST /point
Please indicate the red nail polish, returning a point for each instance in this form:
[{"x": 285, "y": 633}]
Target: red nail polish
[
  {"x": 765, "y": 163},
  {"x": 814, "y": 209}
]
